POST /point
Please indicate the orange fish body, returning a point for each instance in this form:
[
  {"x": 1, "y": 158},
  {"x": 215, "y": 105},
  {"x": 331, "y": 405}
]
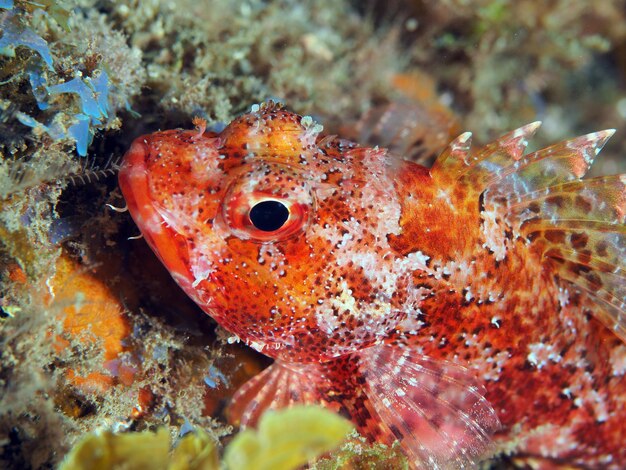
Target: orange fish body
[{"x": 470, "y": 308}]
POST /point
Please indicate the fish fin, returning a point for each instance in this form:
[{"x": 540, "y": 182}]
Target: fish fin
[
  {"x": 278, "y": 386},
  {"x": 407, "y": 129},
  {"x": 435, "y": 408},
  {"x": 458, "y": 163},
  {"x": 576, "y": 225},
  {"x": 578, "y": 228}
]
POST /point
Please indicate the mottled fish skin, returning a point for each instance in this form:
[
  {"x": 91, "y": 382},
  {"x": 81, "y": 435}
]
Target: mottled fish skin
[{"x": 487, "y": 285}]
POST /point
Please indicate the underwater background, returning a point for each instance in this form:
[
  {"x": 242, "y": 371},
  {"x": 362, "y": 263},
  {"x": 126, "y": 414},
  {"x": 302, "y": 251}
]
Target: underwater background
[{"x": 94, "y": 334}]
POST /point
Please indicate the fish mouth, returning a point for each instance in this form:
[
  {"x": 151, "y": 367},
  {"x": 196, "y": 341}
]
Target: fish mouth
[{"x": 134, "y": 182}]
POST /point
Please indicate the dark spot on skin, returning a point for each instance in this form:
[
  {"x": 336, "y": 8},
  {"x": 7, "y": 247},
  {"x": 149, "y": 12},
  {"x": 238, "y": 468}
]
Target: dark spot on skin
[
  {"x": 584, "y": 256},
  {"x": 579, "y": 240},
  {"x": 583, "y": 204},
  {"x": 555, "y": 236},
  {"x": 533, "y": 236},
  {"x": 557, "y": 201},
  {"x": 594, "y": 280},
  {"x": 578, "y": 268},
  {"x": 602, "y": 248},
  {"x": 396, "y": 432}
]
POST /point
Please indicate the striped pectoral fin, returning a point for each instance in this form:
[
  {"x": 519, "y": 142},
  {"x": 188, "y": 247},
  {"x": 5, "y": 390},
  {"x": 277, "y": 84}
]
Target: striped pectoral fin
[
  {"x": 436, "y": 409},
  {"x": 578, "y": 228},
  {"x": 575, "y": 224}
]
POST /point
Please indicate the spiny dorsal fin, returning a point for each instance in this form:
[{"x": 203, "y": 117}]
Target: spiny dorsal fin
[
  {"x": 458, "y": 163},
  {"x": 565, "y": 161},
  {"x": 577, "y": 225}
]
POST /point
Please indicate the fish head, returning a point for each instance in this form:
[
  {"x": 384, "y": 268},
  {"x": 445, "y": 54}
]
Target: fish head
[{"x": 279, "y": 234}]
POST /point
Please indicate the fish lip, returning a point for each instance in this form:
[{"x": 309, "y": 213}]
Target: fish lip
[
  {"x": 133, "y": 164},
  {"x": 133, "y": 179}
]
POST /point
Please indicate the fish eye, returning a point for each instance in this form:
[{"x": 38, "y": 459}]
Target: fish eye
[
  {"x": 269, "y": 216},
  {"x": 269, "y": 202}
]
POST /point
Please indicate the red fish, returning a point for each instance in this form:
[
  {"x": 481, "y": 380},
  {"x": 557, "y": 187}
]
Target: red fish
[{"x": 468, "y": 309}]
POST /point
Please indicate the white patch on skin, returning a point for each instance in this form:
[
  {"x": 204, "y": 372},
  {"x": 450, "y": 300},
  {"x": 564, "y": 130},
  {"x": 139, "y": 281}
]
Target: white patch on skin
[
  {"x": 495, "y": 240},
  {"x": 271, "y": 256},
  {"x": 550, "y": 440},
  {"x": 202, "y": 268},
  {"x": 209, "y": 246},
  {"x": 180, "y": 211},
  {"x": 412, "y": 262},
  {"x": 411, "y": 324},
  {"x": 385, "y": 272},
  {"x": 345, "y": 300},
  {"x": 468, "y": 275},
  {"x": 563, "y": 297},
  {"x": 257, "y": 345},
  {"x": 326, "y": 321},
  {"x": 618, "y": 360},
  {"x": 500, "y": 359},
  {"x": 598, "y": 403},
  {"x": 151, "y": 224},
  {"x": 444, "y": 195},
  {"x": 311, "y": 131},
  {"x": 541, "y": 353},
  {"x": 380, "y": 188},
  {"x": 205, "y": 162}
]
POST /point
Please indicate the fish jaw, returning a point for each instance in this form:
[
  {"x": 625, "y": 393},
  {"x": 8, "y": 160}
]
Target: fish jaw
[
  {"x": 134, "y": 183},
  {"x": 148, "y": 188}
]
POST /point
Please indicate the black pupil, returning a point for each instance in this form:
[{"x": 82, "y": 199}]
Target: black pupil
[{"x": 269, "y": 215}]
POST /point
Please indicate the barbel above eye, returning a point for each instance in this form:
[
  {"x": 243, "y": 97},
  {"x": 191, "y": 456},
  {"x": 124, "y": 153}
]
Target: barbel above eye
[{"x": 269, "y": 216}]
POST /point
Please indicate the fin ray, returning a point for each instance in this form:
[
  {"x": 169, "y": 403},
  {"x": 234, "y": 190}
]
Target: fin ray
[
  {"x": 457, "y": 162},
  {"x": 577, "y": 224},
  {"x": 273, "y": 388},
  {"x": 436, "y": 408}
]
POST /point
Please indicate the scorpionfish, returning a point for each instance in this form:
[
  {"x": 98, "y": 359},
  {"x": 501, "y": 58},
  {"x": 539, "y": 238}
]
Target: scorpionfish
[{"x": 469, "y": 309}]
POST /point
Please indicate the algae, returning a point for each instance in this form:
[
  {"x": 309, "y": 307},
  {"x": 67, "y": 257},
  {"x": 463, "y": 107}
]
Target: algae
[{"x": 285, "y": 440}]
